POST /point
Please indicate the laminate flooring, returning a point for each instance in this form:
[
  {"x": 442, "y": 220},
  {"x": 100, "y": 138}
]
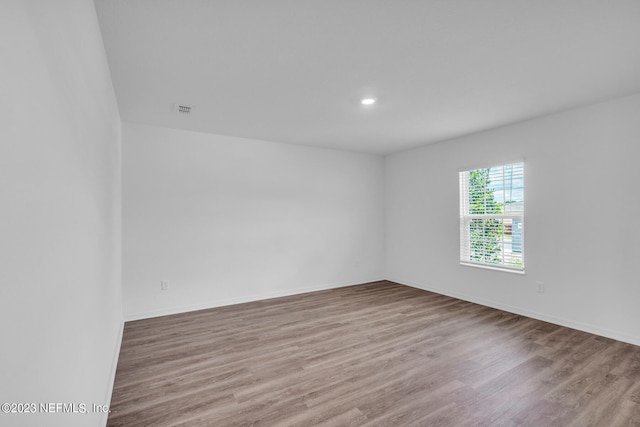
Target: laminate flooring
[{"x": 377, "y": 354}]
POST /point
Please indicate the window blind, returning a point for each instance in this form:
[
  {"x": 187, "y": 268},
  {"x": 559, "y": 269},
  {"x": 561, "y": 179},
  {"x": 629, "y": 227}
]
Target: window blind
[{"x": 492, "y": 217}]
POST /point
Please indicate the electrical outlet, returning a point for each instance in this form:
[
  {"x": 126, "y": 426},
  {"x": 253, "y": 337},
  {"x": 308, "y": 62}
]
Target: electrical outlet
[
  {"x": 540, "y": 287},
  {"x": 164, "y": 285}
]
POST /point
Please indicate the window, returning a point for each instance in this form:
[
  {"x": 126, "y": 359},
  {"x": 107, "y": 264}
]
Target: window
[{"x": 492, "y": 217}]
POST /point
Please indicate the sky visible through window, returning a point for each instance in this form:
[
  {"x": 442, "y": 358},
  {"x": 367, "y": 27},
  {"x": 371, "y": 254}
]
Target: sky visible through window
[{"x": 511, "y": 187}]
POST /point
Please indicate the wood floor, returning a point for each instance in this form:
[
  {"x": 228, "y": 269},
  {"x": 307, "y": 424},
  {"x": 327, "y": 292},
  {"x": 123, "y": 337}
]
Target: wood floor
[{"x": 378, "y": 354}]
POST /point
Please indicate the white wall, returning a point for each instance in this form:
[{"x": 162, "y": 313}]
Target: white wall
[
  {"x": 226, "y": 220},
  {"x": 582, "y": 229},
  {"x": 60, "y": 295}
]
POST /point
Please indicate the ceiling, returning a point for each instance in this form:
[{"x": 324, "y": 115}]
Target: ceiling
[{"x": 294, "y": 71}]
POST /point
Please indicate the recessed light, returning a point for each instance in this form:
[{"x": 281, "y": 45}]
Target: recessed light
[{"x": 368, "y": 101}]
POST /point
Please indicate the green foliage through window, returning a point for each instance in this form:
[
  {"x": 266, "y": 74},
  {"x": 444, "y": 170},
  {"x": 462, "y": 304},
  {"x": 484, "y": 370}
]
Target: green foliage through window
[{"x": 485, "y": 234}]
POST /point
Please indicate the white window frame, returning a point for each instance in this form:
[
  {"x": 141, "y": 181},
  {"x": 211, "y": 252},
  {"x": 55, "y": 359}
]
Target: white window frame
[{"x": 513, "y": 215}]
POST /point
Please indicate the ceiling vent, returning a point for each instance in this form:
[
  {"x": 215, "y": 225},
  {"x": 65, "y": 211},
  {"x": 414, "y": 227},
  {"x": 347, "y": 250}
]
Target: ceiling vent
[{"x": 183, "y": 109}]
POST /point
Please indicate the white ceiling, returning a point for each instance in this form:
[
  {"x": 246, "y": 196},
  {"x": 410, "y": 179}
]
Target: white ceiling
[{"x": 294, "y": 70}]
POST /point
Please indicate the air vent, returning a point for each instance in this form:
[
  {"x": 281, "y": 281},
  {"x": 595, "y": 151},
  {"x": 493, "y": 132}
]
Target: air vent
[{"x": 183, "y": 109}]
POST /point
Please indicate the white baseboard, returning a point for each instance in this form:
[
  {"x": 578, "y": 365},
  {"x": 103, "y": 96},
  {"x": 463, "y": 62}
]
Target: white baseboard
[
  {"x": 238, "y": 300},
  {"x": 112, "y": 377},
  {"x": 585, "y": 327}
]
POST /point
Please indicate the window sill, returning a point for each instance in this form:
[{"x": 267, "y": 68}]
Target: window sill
[{"x": 489, "y": 267}]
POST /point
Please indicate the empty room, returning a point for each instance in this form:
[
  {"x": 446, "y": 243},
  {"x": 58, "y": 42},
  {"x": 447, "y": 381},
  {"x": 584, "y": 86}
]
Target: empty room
[{"x": 320, "y": 213}]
